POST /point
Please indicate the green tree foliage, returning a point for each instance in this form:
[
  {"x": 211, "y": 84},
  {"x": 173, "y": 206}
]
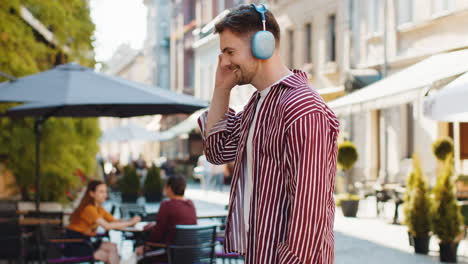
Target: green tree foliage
[
  {"x": 442, "y": 148},
  {"x": 446, "y": 215},
  {"x": 130, "y": 182},
  {"x": 153, "y": 182},
  {"x": 417, "y": 203},
  {"x": 67, "y": 144}
]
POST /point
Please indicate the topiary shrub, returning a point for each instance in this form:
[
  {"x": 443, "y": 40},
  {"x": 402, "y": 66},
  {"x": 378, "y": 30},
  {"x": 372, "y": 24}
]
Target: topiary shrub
[
  {"x": 153, "y": 185},
  {"x": 346, "y": 197},
  {"x": 446, "y": 213},
  {"x": 417, "y": 203},
  {"x": 129, "y": 185},
  {"x": 347, "y": 157},
  {"x": 442, "y": 148}
]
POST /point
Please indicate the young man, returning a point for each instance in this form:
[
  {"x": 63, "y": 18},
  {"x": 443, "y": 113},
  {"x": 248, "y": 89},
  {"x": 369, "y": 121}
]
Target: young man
[
  {"x": 176, "y": 211},
  {"x": 284, "y": 147}
]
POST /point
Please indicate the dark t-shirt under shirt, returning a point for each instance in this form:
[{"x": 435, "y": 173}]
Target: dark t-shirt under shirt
[{"x": 172, "y": 213}]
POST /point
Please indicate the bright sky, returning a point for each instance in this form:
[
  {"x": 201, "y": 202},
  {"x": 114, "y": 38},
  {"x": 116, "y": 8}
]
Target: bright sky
[{"x": 117, "y": 22}]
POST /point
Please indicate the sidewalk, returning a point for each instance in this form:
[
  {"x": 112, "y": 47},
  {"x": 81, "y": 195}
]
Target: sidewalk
[{"x": 365, "y": 239}]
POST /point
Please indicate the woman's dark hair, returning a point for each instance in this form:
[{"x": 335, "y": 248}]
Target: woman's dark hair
[
  {"x": 87, "y": 199},
  {"x": 245, "y": 20},
  {"x": 177, "y": 184}
]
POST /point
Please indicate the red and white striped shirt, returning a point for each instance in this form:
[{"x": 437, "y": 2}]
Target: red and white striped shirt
[{"x": 294, "y": 164}]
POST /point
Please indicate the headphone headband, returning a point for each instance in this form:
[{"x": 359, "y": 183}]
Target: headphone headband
[
  {"x": 263, "y": 42},
  {"x": 260, "y": 9}
]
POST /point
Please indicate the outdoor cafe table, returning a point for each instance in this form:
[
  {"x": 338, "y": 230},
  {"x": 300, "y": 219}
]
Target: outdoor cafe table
[{"x": 137, "y": 228}]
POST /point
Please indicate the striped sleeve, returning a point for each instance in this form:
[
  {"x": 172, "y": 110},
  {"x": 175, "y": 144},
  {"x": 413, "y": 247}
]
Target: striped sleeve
[
  {"x": 220, "y": 143},
  {"x": 306, "y": 165}
]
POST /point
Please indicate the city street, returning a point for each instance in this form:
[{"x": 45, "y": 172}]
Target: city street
[
  {"x": 365, "y": 239},
  {"x": 361, "y": 101}
]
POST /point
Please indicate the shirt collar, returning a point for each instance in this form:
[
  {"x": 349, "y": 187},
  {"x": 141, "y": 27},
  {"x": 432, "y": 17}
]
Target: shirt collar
[
  {"x": 292, "y": 80},
  {"x": 297, "y": 78},
  {"x": 265, "y": 91}
]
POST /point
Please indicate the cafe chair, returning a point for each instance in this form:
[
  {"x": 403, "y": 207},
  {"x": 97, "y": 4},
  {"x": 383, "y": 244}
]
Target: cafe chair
[
  {"x": 13, "y": 241},
  {"x": 192, "y": 244},
  {"x": 52, "y": 238}
]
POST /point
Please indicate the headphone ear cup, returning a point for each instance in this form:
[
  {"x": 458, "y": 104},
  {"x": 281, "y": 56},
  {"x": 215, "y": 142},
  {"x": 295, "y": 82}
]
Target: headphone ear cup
[{"x": 263, "y": 45}]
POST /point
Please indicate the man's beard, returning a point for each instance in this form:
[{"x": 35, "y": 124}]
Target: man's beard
[{"x": 243, "y": 79}]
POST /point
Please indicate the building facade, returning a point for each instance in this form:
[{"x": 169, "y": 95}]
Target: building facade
[
  {"x": 315, "y": 38},
  {"x": 150, "y": 65},
  {"x": 337, "y": 42},
  {"x": 399, "y": 36},
  {"x": 182, "y": 23},
  {"x": 157, "y": 44}
]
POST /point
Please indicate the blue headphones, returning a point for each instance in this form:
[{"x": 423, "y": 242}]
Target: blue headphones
[{"x": 263, "y": 42}]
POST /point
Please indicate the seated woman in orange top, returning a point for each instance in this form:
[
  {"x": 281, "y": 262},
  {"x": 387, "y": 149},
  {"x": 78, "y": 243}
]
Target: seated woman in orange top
[{"x": 85, "y": 220}]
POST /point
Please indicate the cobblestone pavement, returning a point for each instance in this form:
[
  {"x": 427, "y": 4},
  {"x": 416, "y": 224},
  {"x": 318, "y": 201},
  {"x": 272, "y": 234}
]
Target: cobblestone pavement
[{"x": 365, "y": 239}]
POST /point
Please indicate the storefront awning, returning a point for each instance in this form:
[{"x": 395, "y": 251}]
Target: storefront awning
[
  {"x": 186, "y": 126},
  {"x": 449, "y": 104},
  {"x": 404, "y": 86},
  {"x": 181, "y": 128}
]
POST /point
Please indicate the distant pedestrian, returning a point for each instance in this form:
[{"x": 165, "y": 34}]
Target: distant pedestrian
[{"x": 206, "y": 166}]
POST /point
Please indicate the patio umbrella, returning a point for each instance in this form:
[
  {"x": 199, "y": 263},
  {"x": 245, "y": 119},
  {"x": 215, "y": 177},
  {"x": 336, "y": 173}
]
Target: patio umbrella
[
  {"x": 450, "y": 103},
  {"x": 128, "y": 132},
  {"x": 71, "y": 90}
]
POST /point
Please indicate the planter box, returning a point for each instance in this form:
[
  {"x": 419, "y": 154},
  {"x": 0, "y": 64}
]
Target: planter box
[
  {"x": 421, "y": 245},
  {"x": 129, "y": 197},
  {"x": 448, "y": 252},
  {"x": 349, "y": 207},
  {"x": 153, "y": 197}
]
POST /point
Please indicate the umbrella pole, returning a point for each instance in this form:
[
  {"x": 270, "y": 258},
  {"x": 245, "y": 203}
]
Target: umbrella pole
[{"x": 38, "y": 131}]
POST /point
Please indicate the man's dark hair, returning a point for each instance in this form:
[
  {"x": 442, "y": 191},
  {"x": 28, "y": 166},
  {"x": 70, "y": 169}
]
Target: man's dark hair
[
  {"x": 177, "y": 184},
  {"x": 245, "y": 20}
]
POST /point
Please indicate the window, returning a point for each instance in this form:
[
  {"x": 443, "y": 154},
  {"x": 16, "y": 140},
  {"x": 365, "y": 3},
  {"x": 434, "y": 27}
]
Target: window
[
  {"x": 331, "y": 54},
  {"x": 405, "y": 11},
  {"x": 373, "y": 16},
  {"x": 308, "y": 43},
  {"x": 221, "y": 6},
  {"x": 291, "y": 48},
  {"x": 463, "y": 139},
  {"x": 206, "y": 9},
  {"x": 189, "y": 11},
  {"x": 441, "y": 6}
]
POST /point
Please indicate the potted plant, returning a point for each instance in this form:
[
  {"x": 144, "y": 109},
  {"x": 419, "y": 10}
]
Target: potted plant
[
  {"x": 446, "y": 214},
  {"x": 347, "y": 157},
  {"x": 129, "y": 185},
  {"x": 153, "y": 186},
  {"x": 442, "y": 148},
  {"x": 417, "y": 206}
]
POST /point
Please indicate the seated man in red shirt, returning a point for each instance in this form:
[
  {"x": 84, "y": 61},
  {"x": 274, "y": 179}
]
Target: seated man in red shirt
[{"x": 175, "y": 211}]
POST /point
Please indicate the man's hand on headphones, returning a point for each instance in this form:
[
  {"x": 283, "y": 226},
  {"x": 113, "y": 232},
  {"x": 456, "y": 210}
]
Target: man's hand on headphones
[{"x": 226, "y": 75}]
